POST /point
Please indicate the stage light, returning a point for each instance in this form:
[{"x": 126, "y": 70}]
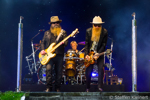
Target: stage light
[
  {"x": 120, "y": 80},
  {"x": 94, "y": 74},
  {"x": 28, "y": 79},
  {"x": 44, "y": 75}
]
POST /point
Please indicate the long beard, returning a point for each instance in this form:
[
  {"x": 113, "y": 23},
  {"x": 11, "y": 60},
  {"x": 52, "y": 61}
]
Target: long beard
[
  {"x": 96, "y": 32},
  {"x": 55, "y": 30}
]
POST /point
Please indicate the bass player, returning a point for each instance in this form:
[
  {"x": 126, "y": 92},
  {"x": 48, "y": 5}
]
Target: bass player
[{"x": 54, "y": 35}]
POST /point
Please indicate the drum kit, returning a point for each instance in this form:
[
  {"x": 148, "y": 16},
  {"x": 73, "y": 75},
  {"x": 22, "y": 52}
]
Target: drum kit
[{"x": 73, "y": 68}]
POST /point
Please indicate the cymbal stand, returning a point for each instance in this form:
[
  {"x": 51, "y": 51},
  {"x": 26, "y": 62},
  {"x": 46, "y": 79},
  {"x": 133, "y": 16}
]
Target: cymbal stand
[
  {"x": 111, "y": 55},
  {"x": 33, "y": 53},
  {"x": 28, "y": 59}
]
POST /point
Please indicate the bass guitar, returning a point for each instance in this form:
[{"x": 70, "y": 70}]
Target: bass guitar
[{"x": 44, "y": 59}]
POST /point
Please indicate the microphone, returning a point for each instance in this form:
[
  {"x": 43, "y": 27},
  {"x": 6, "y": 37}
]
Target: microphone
[{"x": 41, "y": 30}]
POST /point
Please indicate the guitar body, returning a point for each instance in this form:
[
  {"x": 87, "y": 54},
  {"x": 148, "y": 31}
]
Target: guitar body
[
  {"x": 92, "y": 61},
  {"x": 44, "y": 59},
  {"x": 87, "y": 63}
]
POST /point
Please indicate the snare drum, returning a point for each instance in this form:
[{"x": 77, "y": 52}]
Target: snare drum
[{"x": 71, "y": 53}]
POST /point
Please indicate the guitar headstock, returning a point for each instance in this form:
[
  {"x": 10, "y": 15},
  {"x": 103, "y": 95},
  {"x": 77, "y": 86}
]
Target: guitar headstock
[
  {"x": 108, "y": 51},
  {"x": 74, "y": 32}
]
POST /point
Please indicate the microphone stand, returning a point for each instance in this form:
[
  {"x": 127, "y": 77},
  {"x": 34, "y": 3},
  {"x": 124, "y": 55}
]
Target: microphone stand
[
  {"x": 33, "y": 54},
  {"x": 111, "y": 55}
]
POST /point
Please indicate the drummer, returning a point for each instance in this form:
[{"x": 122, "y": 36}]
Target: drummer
[{"x": 74, "y": 45}]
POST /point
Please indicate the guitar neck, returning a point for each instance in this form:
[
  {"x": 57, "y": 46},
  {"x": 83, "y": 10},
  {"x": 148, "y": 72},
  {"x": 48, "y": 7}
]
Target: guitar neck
[
  {"x": 100, "y": 54},
  {"x": 61, "y": 42},
  {"x": 72, "y": 34}
]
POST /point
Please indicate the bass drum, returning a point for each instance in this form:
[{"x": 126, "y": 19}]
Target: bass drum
[{"x": 41, "y": 74}]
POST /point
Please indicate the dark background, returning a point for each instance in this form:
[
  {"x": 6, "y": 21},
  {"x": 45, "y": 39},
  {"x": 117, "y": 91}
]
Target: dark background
[{"x": 76, "y": 14}]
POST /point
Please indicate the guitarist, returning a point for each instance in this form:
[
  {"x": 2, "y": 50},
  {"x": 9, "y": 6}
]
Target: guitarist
[
  {"x": 54, "y": 34},
  {"x": 96, "y": 39}
]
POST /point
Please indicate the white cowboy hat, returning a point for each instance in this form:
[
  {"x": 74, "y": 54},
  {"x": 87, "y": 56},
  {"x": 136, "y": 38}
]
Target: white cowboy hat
[{"x": 97, "y": 20}]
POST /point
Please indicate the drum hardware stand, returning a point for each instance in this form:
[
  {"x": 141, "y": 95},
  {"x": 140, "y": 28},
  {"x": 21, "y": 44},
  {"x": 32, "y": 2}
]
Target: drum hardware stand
[
  {"x": 71, "y": 80},
  {"x": 109, "y": 57},
  {"x": 80, "y": 78},
  {"x": 80, "y": 75},
  {"x": 33, "y": 53},
  {"x": 27, "y": 59},
  {"x": 64, "y": 76},
  {"x": 111, "y": 54}
]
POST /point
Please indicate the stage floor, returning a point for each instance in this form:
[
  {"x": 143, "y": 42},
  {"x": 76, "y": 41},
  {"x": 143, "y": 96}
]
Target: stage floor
[
  {"x": 87, "y": 96},
  {"x": 72, "y": 88},
  {"x": 77, "y": 92}
]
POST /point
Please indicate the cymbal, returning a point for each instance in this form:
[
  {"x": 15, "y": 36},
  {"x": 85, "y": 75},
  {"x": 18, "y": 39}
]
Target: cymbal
[
  {"x": 82, "y": 43},
  {"x": 36, "y": 45}
]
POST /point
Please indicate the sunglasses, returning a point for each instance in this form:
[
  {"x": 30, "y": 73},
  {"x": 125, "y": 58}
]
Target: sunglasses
[
  {"x": 97, "y": 25},
  {"x": 55, "y": 22}
]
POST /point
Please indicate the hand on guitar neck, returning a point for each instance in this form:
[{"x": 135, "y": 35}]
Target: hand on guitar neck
[
  {"x": 96, "y": 56},
  {"x": 61, "y": 43}
]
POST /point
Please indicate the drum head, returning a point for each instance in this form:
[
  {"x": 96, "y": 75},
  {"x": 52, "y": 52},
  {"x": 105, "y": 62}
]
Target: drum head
[
  {"x": 70, "y": 72},
  {"x": 71, "y": 53}
]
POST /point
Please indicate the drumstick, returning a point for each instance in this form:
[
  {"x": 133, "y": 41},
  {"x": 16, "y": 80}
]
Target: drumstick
[{"x": 82, "y": 49}]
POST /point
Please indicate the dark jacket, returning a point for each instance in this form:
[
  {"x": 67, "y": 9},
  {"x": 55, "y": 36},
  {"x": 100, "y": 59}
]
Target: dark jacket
[
  {"x": 49, "y": 38},
  {"x": 101, "y": 44}
]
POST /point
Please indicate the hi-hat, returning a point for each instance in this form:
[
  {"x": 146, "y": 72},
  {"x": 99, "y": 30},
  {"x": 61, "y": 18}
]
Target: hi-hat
[{"x": 82, "y": 43}]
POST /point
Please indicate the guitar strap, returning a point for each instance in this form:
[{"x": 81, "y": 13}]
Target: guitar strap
[
  {"x": 94, "y": 46},
  {"x": 59, "y": 35}
]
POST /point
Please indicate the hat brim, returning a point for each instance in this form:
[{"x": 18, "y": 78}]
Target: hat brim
[
  {"x": 55, "y": 21},
  {"x": 97, "y": 23}
]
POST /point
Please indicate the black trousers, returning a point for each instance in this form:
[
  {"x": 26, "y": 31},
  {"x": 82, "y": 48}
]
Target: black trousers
[
  {"x": 57, "y": 62},
  {"x": 100, "y": 64}
]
